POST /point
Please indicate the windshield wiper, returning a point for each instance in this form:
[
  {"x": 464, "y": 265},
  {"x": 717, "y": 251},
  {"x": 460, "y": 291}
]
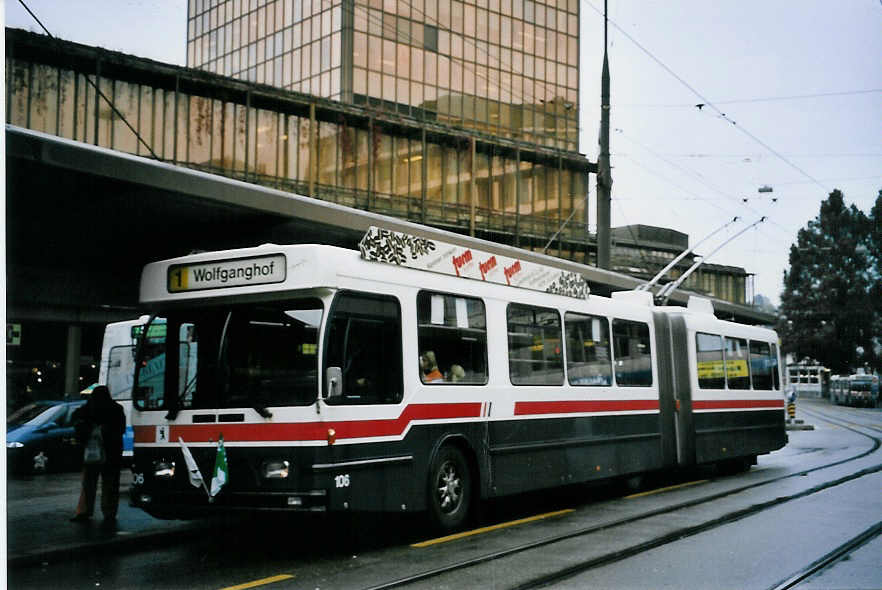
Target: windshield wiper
[{"x": 175, "y": 408}]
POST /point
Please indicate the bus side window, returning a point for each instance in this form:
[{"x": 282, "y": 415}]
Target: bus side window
[
  {"x": 776, "y": 377},
  {"x": 534, "y": 346},
  {"x": 588, "y": 352},
  {"x": 709, "y": 360},
  {"x": 452, "y": 339},
  {"x": 633, "y": 353},
  {"x": 761, "y": 365},
  {"x": 737, "y": 373},
  {"x": 364, "y": 341}
]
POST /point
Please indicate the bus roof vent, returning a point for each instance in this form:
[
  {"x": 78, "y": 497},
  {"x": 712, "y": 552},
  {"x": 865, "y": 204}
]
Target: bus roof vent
[
  {"x": 700, "y": 305},
  {"x": 635, "y": 297}
]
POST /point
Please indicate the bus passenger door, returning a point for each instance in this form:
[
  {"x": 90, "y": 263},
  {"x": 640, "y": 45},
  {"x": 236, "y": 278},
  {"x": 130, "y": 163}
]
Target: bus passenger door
[
  {"x": 666, "y": 389},
  {"x": 362, "y": 392},
  {"x": 684, "y": 427}
]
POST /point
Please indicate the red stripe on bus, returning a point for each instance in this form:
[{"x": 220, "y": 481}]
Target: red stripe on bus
[
  {"x": 584, "y": 406},
  {"x": 145, "y": 434},
  {"x": 311, "y": 430},
  {"x": 726, "y": 404}
]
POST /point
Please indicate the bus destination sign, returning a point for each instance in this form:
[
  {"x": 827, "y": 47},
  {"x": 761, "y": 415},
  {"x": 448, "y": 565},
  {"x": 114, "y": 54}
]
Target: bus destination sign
[{"x": 223, "y": 274}]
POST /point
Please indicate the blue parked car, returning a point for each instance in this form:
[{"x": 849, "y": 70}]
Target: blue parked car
[{"x": 40, "y": 437}]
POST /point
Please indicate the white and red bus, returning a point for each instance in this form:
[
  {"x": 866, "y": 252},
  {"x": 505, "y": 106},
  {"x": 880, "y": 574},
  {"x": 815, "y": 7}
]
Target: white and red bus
[{"x": 417, "y": 375}]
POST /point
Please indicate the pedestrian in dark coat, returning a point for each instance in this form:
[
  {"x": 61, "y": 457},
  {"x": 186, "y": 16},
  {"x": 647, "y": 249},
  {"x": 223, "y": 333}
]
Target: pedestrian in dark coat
[{"x": 101, "y": 411}]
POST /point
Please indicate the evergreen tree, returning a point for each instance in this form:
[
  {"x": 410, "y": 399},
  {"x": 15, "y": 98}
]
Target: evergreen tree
[
  {"x": 875, "y": 247},
  {"x": 828, "y": 312}
]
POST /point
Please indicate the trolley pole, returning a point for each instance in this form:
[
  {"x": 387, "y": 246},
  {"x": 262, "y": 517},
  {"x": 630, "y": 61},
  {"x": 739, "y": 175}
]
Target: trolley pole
[{"x": 604, "y": 172}]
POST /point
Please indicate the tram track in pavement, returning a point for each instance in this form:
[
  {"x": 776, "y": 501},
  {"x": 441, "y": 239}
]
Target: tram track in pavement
[
  {"x": 842, "y": 416},
  {"x": 856, "y": 542},
  {"x": 678, "y": 533},
  {"x": 830, "y": 558}
]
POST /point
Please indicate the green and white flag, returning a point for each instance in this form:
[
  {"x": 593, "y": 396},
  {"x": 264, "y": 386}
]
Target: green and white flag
[{"x": 220, "y": 468}]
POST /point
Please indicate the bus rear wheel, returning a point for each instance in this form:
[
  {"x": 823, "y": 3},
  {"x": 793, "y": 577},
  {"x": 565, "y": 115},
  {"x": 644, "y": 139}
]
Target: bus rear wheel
[{"x": 450, "y": 490}]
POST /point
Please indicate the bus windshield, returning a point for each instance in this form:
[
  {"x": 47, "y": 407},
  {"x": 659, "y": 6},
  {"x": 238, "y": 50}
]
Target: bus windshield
[{"x": 232, "y": 356}]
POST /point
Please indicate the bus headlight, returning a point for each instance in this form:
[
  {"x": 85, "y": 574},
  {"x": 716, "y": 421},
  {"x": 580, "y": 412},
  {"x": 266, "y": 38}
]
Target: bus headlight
[
  {"x": 14, "y": 445},
  {"x": 164, "y": 469},
  {"x": 275, "y": 469}
]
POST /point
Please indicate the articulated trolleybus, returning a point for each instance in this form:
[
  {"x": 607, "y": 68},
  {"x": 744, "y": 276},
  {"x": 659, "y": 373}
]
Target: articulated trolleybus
[{"x": 421, "y": 376}]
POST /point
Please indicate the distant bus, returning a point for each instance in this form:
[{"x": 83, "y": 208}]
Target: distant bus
[
  {"x": 855, "y": 390},
  {"x": 807, "y": 380}
]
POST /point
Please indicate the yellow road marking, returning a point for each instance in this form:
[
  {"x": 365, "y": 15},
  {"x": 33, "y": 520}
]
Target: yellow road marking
[
  {"x": 261, "y": 582},
  {"x": 667, "y": 489},
  {"x": 487, "y": 529}
]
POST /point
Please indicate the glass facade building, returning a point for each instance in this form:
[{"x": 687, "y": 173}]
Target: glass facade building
[
  {"x": 504, "y": 67},
  {"x": 467, "y": 74}
]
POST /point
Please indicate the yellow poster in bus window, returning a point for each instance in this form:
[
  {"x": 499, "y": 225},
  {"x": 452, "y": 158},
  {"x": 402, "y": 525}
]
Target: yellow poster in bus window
[
  {"x": 710, "y": 369},
  {"x": 736, "y": 368}
]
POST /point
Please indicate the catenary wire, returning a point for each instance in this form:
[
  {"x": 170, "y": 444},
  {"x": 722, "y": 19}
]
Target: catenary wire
[
  {"x": 720, "y": 113},
  {"x": 700, "y": 179},
  {"x": 707, "y": 102},
  {"x": 756, "y": 99}
]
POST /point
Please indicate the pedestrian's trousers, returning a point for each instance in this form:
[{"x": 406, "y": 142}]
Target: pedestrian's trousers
[{"x": 109, "y": 489}]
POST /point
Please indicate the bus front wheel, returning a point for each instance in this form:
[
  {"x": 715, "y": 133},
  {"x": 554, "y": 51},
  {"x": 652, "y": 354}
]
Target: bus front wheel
[{"x": 450, "y": 489}]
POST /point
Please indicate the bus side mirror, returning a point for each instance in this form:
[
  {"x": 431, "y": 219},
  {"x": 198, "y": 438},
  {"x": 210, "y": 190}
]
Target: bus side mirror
[{"x": 334, "y": 382}]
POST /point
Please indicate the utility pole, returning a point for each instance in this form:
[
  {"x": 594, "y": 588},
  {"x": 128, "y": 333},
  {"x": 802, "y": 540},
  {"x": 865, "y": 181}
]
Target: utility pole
[{"x": 604, "y": 174}]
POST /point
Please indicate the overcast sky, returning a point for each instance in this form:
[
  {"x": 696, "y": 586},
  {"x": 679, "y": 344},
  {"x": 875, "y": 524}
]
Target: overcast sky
[{"x": 792, "y": 92}]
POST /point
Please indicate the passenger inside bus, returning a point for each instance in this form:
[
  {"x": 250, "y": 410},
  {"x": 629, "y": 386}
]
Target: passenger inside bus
[
  {"x": 455, "y": 374},
  {"x": 429, "y": 367}
]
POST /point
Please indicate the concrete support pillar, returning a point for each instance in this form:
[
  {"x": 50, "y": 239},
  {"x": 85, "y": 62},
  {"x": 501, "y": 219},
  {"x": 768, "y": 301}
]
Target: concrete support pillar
[{"x": 72, "y": 359}]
